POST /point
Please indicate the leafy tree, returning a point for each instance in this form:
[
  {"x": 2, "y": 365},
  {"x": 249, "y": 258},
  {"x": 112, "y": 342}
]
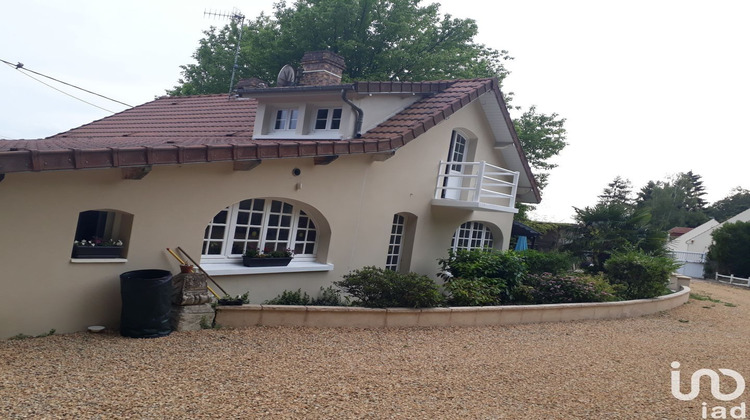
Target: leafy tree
[
  {"x": 730, "y": 249},
  {"x": 675, "y": 202},
  {"x": 617, "y": 191},
  {"x": 380, "y": 39},
  {"x": 607, "y": 228},
  {"x": 735, "y": 203},
  {"x": 542, "y": 137}
]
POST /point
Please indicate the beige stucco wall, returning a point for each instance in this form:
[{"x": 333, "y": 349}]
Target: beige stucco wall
[{"x": 43, "y": 289}]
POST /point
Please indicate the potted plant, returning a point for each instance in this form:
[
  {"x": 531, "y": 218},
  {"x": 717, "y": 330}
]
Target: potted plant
[
  {"x": 267, "y": 258},
  {"x": 97, "y": 248}
]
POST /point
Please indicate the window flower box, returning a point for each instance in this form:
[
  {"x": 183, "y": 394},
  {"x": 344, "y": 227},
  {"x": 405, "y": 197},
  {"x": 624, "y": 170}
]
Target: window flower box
[
  {"x": 97, "y": 251},
  {"x": 98, "y": 248},
  {"x": 266, "y": 261},
  {"x": 266, "y": 258}
]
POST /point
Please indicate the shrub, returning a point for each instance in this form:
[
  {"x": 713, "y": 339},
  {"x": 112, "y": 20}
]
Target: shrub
[
  {"x": 287, "y": 297},
  {"x": 483, "y": 291},
  {"x": 570, "y": 288},
  {"x": 378, "y": 288},
  {"x": 329, "y": 296},
  {"x": 507, "y": 267},
  {"x": 729, "y": 252},
  {"x": 640, "y": 275},
  {"x": 546, "y": 262}
]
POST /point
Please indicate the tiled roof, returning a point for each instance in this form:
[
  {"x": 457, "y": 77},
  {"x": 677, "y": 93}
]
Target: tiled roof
[{"x": 209, "y": 128}]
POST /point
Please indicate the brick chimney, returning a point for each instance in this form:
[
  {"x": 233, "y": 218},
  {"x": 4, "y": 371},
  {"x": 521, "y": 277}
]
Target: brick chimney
[{"x": 321, "y": 68}]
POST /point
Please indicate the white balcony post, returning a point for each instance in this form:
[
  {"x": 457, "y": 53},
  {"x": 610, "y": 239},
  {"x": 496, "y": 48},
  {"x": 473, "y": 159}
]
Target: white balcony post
[{"x": 480, "y": 179}]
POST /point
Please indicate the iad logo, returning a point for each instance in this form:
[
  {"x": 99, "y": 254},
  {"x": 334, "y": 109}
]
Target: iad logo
[{"x": 718, "y": 412}]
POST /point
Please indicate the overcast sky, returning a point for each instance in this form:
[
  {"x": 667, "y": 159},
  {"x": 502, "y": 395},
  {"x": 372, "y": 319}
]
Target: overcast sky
[{"x": 648, "y": 88}]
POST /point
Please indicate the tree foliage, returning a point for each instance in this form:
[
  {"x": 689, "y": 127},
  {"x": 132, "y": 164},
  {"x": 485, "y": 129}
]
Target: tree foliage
[
  {"x": 733, "y": 204},
  {"x": 607, "y": 228},
  {"x": 730, "y": 249},
  {"x": 380, "y": 40},
  {"x": 675, "y": 202},
  {"x": 617, "y": 191},
  {"x": 542, "y": 137}
]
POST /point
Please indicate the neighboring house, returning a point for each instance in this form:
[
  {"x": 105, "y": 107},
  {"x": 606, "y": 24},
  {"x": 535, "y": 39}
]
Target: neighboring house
[
  {"x": 691, "y": 248},
  {"x": 390, "y": 174},
  {"x": 676, "y": 232}
]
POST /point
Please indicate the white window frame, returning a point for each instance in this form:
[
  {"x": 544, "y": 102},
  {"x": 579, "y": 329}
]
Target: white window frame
[
  {"x": 231, "y": 225},
  {"x": 396, "y": 243},
  {"x": 478, "y": 235},
  {"x": 329, "y": 118},
  {"x": 287, "y": 117}
]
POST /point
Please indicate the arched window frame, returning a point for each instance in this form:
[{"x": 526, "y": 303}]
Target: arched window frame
[
  {"x": 472, "y": 235},
  {"x": 226, "y": 229}
]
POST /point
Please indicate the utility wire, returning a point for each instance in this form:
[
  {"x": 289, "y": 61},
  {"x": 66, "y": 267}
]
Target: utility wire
[
  {"x": 66, "y": 93},
  {"x": 20, "y": 66}
]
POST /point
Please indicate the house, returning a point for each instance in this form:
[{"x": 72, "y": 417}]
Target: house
[
  {"x": 690, "y": 249},
  {"x": 390, "y": 174}
]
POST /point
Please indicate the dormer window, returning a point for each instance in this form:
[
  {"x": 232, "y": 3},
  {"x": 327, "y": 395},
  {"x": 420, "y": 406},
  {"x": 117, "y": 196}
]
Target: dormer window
[
  {"x": 328, "y": 119},
  {"x": 286, "y": 119}
]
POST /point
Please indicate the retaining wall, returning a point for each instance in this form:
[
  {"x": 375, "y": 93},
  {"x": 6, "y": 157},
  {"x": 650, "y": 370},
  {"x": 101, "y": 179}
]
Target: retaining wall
[{"x": 474, "y": 316}]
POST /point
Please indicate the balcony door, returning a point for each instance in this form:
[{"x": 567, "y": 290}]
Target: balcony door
[{"x": 453, "y": 171}]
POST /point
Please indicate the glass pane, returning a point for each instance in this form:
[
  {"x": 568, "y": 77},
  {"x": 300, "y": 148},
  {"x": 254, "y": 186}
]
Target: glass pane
[
  {"x": 217, "y": 232},
  {"x": 287, "y": 208},
  {"x": 321, "y": 119},
  {"x": 284, "y": 234},
  {"x": 311, "y": 236},
  {"x": 243, "y": 218},
  {"x": 336, "y": 119},
  {"x": 238, "y": 247},
  {"x": 214, "y": 248},
  {"x": 275, "y": 206},
  {"x": 293, "y": 119},
  {"x": 286, "y": 220},
  {"x": 240, "y": 233},
  {"x": 206, "y": 233},
  {"x": 299, "y": 248},
  {"x": 258, "y": 204},
  {"x": 254, "y": 233},
  {"x": 246, "y": 204},
  {"x": 273, "y": 220},
  {"x": 271, "y": 234},
  {"x": 221, "y": 217},
  {"x": 256, "y": 219},
  {"x": 309, "y": 248}
]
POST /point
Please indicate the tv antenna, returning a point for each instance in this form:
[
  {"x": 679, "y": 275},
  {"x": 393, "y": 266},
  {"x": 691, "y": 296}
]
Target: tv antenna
[{"x": 238, "y": 19}]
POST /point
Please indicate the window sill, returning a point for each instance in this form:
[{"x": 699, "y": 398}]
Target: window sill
[
  {"x": 236, "y": 269},
  {"x": 97, "y": 260}
]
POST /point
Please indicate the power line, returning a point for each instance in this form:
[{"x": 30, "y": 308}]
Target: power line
[
  {"x": 66, "y": 93},
  {"x": 20, "y": 67}
]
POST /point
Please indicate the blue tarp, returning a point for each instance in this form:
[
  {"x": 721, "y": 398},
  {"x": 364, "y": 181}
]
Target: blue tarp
[{"x": 522, "y": 243}]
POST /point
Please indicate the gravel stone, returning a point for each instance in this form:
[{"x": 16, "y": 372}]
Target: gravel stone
[{"x": 616, "y": 369}]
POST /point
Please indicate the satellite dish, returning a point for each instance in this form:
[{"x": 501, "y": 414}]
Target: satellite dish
[{"x": 286, "y": 76}]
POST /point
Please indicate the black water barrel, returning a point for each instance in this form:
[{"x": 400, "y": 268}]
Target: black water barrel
[{"x": 146, "y": 303}]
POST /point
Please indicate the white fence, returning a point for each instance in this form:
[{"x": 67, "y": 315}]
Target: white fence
[{"x": 739, "y": 281}]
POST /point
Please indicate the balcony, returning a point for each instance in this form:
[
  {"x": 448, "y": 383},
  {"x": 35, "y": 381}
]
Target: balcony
[{"x": 476, "y": 186}]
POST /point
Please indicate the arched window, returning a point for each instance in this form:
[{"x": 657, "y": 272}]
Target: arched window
[
  {"x": 262, "y": 224},
  {"x": 472, "y": 235}
]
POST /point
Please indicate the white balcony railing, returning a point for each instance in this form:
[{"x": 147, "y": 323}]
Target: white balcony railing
[{"x": 476, "y": 185}]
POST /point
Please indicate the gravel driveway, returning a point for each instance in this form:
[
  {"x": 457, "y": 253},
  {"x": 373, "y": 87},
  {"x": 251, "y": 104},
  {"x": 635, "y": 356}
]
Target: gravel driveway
[{"x": 616, "y": 369}]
